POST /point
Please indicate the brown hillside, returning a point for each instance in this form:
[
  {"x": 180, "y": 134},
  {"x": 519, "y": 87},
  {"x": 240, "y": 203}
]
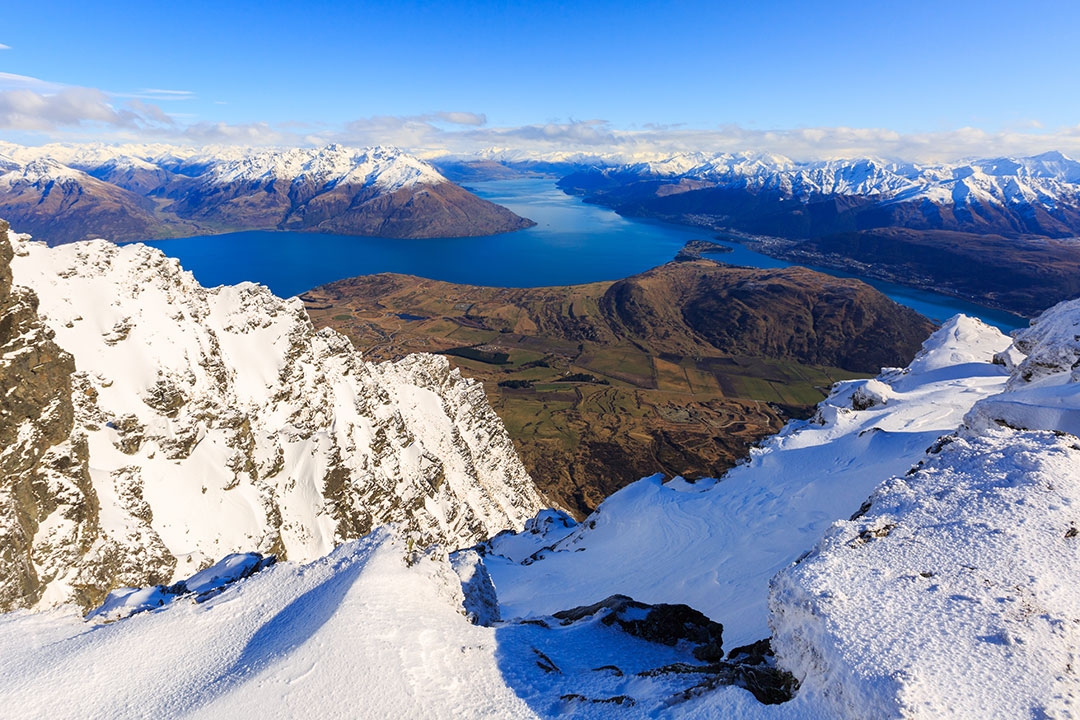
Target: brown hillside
[{"x": 676, "y": 370}]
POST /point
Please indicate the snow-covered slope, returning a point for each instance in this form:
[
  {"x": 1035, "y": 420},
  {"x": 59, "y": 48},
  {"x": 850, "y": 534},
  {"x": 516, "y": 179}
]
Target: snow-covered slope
[
  {"x": 954, "y": 595},
  {"x": 357, "y": 634},
  {"x": 715, "y": 545},
  {"x": 953, "y": 591},
  {"x": 219, "y": 421}
]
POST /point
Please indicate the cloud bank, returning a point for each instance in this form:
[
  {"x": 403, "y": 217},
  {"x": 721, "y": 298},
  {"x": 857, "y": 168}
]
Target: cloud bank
[
  {"x": 601, "y": 138},
  {"x": 58, "y": 112}
]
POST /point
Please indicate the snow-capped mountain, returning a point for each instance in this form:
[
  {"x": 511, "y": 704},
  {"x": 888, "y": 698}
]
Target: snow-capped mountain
[
  {"x": 202, "y": 422},
  {"x": 385, "y": 167},
  {"x": 1000, "y": 232},
  {"x": 1038, "y": 195},
  {"x": 375, "y": 191},
  {"x": 1044, "y": 179},
  {"x": 52, "y": 199},
  {"x": 124, "y": 193}
]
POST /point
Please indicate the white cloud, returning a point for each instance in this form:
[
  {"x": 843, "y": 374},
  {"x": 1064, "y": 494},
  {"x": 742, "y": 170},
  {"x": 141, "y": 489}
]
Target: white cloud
[
  {"x": 599, "y": 137},
  {"x": 460, "y": 118},
  {"x": 4, "y": 47},
  {"x": 220, "y": 133},
  {"x": 25, "y": 109},
  {"x": 158, "y": 94},
  {"x": 11, "y": 81}
]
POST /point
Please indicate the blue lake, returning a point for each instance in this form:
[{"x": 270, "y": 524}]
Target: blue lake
[{"x": 573, "y": 242}]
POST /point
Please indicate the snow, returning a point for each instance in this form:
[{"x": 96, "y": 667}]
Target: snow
[
  {"x": 953, "y": 596},
  {"x": 1040, "y": 180},
  {"x": 124, "y": 602},
  {"x": 1044, "y": 391},
  {"x": 952, "y": 592},
  {"x": 1043, "y": 180},
  {"x": 218, "y": 421},
  {"x": 356, "y": 624},
  {"x": 39, "y": 172},
  {"x": 949, "y": 593},
  {"x": 384, "y": 167},
  {"x": 716, "y": 545}
]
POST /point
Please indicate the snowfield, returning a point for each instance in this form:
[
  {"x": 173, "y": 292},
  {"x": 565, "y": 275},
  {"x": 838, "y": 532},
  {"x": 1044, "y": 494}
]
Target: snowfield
[{"x": 912, "y": 551}]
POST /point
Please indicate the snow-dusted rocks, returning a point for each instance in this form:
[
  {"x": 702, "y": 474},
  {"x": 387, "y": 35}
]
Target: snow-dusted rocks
[
  {"x": 219, "y": 421},
  {"x": 1044, "y": 391}
]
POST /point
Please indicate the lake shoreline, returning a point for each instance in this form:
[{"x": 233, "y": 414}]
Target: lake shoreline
[{"x": 573, "y": 243}]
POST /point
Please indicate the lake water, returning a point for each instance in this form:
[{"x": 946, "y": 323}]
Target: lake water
[{"x": 573, "y": 242}]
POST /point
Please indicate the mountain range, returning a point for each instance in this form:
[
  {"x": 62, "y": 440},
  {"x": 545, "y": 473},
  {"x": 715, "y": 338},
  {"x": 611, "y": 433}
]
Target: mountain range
[
  {"x": 69, "y": 193},
  {"x": 908, "y": 551},
  {"x": 210, "y": 506},
  {"x": 999, "y": 231}
]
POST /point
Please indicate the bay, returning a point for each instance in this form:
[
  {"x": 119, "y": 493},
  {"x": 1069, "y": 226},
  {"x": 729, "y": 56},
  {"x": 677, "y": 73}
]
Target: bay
[{"x": 573, "y": 242}]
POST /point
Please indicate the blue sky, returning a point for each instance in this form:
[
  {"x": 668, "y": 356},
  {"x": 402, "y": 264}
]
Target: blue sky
[{"x": 769, "y": 74}]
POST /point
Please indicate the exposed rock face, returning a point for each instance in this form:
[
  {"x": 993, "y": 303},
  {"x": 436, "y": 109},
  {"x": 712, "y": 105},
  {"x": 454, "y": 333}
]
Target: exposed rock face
[
  {"x": 664, "y": 624},
  {"x": 41, "y": 463},
  {"x": 219, "y": 421}
]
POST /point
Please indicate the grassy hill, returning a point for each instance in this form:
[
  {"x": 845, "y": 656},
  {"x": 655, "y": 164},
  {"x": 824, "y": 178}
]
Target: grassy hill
[{"x": 677, "y": 370}]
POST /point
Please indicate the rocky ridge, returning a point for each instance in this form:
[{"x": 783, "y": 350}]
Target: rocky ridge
[
  {"x": 218, "y": 421},
  {"x": 40, "y": 462}
]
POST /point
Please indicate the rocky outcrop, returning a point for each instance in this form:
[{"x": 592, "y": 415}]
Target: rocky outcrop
[
  {"x": 43, "y": 466},
  {"x": 219, "y": 421}
]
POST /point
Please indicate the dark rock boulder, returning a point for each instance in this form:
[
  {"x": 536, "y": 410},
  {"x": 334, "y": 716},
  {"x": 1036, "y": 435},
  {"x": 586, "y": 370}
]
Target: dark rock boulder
[{"x": 663, "y": 624}]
